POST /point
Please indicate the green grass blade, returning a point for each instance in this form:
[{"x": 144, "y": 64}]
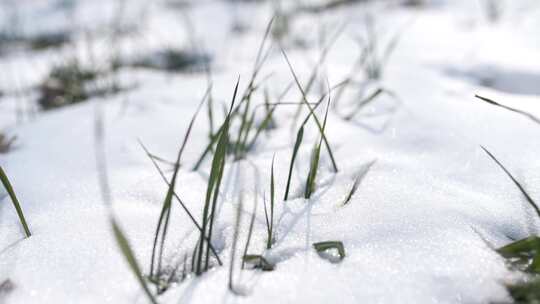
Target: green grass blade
[
  {"x": 518, "y": 185},
  {"x": 357, "y": 182},
  {"x": 312, "y": 175},
  {"x": 214, "y": 181},
  {"x": 9, "y": 188},
  {"x": 272, "y": 202},
  {"x": 165, "y": 213},
  {"x": 525, "y": 114},
  {"x": 311, "y": 110},
  {"x": 182, "y": 204},
  {"x": 297, "y": 144},
  {"x": 123, "y": 243},
  {"x": 521, "y": 247}
]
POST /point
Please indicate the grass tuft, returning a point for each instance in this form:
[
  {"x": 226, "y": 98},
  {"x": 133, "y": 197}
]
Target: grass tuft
[{"x": 524, "y": 255}]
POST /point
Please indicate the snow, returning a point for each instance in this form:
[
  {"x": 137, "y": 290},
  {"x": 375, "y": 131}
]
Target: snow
[{"x": 419, "y": 228}]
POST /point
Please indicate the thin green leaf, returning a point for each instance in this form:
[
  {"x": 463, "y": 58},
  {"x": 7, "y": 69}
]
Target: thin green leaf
[
  {"x": 123, "y": 243},
  {"x": 316, "y": 155},
  {"x": 165, "y": 214},
  {"x": 297, "y": 144},
  {"x": 359, "y": 177},
  {"x": 182, "y": 204},
  {"x": 518, "y": 185},
  {"x": 214, "y": 182},
  {"x": 523, "y": 113},
  {"x": 9, "y": 188},
  {"x": 311, "y": 110}
]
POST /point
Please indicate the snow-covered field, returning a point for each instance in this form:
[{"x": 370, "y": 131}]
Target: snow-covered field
[{"x": 420, "y": 227}]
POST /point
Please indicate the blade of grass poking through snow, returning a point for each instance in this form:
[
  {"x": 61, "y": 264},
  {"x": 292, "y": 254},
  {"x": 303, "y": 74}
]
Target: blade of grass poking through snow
[
  {"x": 182, "y": 204},
  {"x": 357, "y": 182},
  {"x": 272, "y": 202},
  {"x": 311, "y": 111},
  {"x": 520, "y": 248},
  {"x": 163, "y": 222},
  {"x": 315, "y": 157},
  {"x": 269, "y": 216},
  {"x": 492, "y": 102},
  {"x": 123, "y": 243},
  {"x": 221, "y": 148},
  {"x": 14, "y": 201},
  {"x": 212, "y": 191},
  {"x": 518, "y": 185},
  {"x": 297, "y": 144}
]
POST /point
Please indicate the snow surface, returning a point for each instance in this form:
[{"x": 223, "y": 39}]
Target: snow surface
[{"x": 414, "y": 232}]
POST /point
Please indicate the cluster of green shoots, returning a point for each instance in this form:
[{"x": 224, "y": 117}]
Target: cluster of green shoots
[
  {"x": 522, "y": 255},
  {"x": 232, "y": 141},
  {"x": 226, "y": 146}
]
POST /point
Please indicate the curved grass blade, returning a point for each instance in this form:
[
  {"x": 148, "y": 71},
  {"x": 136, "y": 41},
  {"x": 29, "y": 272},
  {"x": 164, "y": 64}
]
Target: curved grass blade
[
  {"x": 357, "y": 182},
  {"x": 165, "y": 214},
  {"x": 518, "y": 185},
  {"x": 182, "y": 204},
  {"x": 9, "y": 188},
  {"x": 123, "y": 243},
  {"x": 523, "y": 113}
]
